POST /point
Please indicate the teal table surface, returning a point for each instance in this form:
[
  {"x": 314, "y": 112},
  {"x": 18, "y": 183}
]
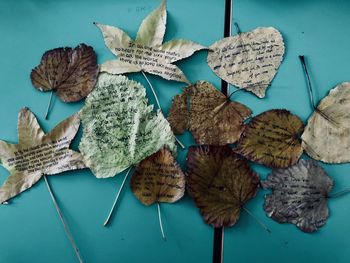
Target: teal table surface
[{"x": 30, "y": 230}]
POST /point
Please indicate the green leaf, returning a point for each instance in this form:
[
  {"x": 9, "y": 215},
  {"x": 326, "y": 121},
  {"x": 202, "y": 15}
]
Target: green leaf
[{"x": 120, "y": 128}]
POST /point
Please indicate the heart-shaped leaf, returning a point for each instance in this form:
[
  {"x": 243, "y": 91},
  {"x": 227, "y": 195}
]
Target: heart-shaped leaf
[
  {"x": 272, "y": 139},
  {"x": 248, "y": 60},
  {"x": 327, "y": 133},
  {"x": 299, "y": 195},
  {"x": 71, "y": 73},
  {"x": 210, "y": 116},
  {"x": 158, "y": 178},
  {"x": 120, "y": 129},
  {"x": 220, "y": 183}
]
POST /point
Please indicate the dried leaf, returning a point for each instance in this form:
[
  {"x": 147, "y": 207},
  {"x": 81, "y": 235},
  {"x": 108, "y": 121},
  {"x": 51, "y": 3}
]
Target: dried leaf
[
  {"x": 120, "y": 129},
  {"x": 37, "y": 153},
  {"x": 208, "y": 114},
  {"x": 272, "y": 139},
  {"x": 72, "y": 73},
  {"x": 147, "y": 53},
  {"x": 158, "y": 178},
  {"x": 220, "y": 183},
  {"x": 299, "y": 195},
  {"x": 248, "y": 60},
  {"x": 327, "y": 133}
]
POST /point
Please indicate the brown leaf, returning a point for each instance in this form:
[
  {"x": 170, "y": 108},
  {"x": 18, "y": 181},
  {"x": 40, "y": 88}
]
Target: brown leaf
[
  {"x": 158, "y": 178},
  {"x": 220, "y": 183},
  {"x": 72, "y": 73},
  {"x": 272, "y": 139},
  {"x": 210, "y": 116},
  {"x": 37, "y": 153}
]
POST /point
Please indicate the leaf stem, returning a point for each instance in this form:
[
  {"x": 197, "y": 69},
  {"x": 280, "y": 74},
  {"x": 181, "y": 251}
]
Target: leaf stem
[
  {"x": 158, "y": 104},
  {"x": 308, "y": 81},
  {"x": 48, "y": 106},
  {"x": 59, "y": 212},
  {"x": 257, "y": 220},
  {"x": 160, "y": 221},
  {"x": 338, "y": 194},
  {"x": 117, "y": 197}
]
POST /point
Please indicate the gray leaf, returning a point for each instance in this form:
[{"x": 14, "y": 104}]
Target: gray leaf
[{"x": 299, "y": 195}]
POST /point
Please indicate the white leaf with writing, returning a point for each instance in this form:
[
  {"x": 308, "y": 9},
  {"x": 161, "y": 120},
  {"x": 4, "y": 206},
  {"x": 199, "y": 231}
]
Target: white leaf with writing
[{"x": 248, "y": 60}]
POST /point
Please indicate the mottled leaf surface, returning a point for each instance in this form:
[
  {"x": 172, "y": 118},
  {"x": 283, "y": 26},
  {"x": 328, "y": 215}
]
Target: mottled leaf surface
[
  {"x": 272, "y": 139},
  {"x": 210, "y": 116},
  {"x": 147, "y": 53},
  {"x": 37, "y": 153},
  {"x": 248, "y": 60},
  {"x": 158, "y": 178},
  {"x": 120, "y": 129},
  {"x": 327, "y": 133},
  {"x": 299, "y": 195},
  {"x": 71, "y": 73},
  {"x": 220, "y": 183}
]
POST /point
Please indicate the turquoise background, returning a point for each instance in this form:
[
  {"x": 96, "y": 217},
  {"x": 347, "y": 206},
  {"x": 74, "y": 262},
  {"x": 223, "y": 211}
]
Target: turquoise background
[{"x": 30, "y": 230}]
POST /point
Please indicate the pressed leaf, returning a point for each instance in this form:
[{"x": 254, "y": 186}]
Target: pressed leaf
[
  {"x": 327, "y": 133},
  {"x": 272, "y": 139},
  {"x": 208, "y": 114},
  {"x": 37, "y": 153},
  {"x": 248, "y": 60},
  {"x": 120, "y": 129},
  {"x": 158, "y": 178},
  {"x": 299, "y": 195},
  {"x": 220, "y": 183},
  {"x": 71, "y": 73},
  {"x": 147, "y": 53}
]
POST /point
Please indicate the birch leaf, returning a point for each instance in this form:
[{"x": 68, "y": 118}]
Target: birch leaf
[
  {"x": 208, "y": 114},
  {"x": 37, "y": 153},
  {"x": 71, "y": 73},
  {"x": 158, "y": 178},
  {"x": 248, "y": 60},
  {"x": 147, "y": 53},
  {"x": 220, "y": 183},
  {"x": 299, "y": 195},
  {"x": 119, "y": 128},
  {"x": 272, "y": 139},
  {"x": 327, "y": 133}
]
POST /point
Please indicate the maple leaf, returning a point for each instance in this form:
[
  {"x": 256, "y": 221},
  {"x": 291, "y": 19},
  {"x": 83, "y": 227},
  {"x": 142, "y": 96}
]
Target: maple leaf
[
  {"x": 37, "y": 153},
  {"x": 147, "y": 53},
  {"x": 299, "y": 195}
]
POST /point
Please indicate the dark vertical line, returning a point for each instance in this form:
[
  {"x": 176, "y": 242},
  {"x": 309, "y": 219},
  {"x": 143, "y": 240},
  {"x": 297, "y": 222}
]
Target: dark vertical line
[
  {"x": 218, "y": 247},
  {"x": 227, "y": 33}
]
